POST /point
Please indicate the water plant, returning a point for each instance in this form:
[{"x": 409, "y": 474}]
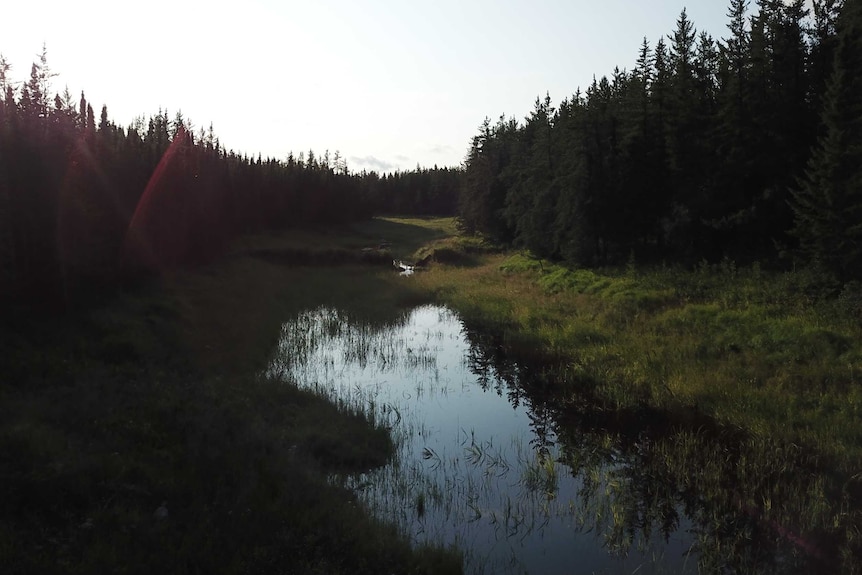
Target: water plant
[
  {"x": 627, "y": 490},
  {"x": 141, "y": 434}
]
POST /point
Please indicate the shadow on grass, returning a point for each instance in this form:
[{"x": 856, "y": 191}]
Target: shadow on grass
[
  {"x": 140, "y": 437},
  {"x": 377, "y": 241},
  {"x": 406, "y": 235}
]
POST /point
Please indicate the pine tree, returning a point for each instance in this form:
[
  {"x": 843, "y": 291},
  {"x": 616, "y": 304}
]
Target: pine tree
[
  {"x": 828, "y": 204},
  {"x": 733, "y": 131},
  {"x": 824, "y": 40},
  {"x": 91, "y": 121},
  {"x": 639, "y": 159},
  {"x": 6, "y": 241},
  {"x": 4, "y": 84},
  {"x": 484, "y": 190},
  {"x": 574, "y": 233},
  {"x": 683, "y": 135},
  {"x": 103, "y": 119},
  {"x": 82, "y": 112},
  {"x": 530, "y": 193},
  {"x": 644, "y": 190}
]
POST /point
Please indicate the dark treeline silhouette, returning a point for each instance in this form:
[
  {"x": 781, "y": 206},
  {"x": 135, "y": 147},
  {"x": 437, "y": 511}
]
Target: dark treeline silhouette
[
  {"x": 422, "y": 192},
  {"x": 746, "y": 147},
  {"x": 86, "y": 204}
]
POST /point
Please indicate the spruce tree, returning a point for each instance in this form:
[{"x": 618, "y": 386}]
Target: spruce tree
[
  {"x": 4, "y": 83},
  {"x": 643, "y": 191},
  {"x": 824, "y": 39},
  {"x": 733, "y": 144},
  {"x": 683, "y": 133},
  {"x": 828, "y": 204},
  {"x": 530, "y": 192}
]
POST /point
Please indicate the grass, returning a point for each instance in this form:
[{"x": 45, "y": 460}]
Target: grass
[
  {"x": 753, "y": 351},
  {"x": 156, "y": 400},
  {"x": 140, "y": 436},
  {"x": 755, "y": 358},
  {"x": 748, "y": 348},
  {"x": 399, "y": 237}
]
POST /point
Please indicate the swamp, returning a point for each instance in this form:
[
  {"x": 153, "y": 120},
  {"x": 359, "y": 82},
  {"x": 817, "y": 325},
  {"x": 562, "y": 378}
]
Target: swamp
[
  {"x": 616, "y": 332},
  {"x": 303, "y": 407}
]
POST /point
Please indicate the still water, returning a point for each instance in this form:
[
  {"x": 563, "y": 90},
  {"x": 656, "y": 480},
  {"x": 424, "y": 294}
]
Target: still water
[{"x": 484, "y": 463}]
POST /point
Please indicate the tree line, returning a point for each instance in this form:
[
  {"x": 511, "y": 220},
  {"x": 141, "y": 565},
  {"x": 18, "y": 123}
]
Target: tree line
[
  {"x": 86, "y": 205},
  {"x": 746, "y": 147}
]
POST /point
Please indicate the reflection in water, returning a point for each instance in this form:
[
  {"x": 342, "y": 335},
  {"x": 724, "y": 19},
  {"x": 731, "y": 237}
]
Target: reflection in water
[{"x": 484, "y": 462}]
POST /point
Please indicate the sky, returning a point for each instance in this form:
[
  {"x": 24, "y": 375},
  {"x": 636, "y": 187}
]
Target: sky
[{"x": 390, "y": 84}]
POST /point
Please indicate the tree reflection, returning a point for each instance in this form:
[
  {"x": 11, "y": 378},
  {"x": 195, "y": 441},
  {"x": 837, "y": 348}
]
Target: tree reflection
[
  {"x": 670, "y": 485},
  {"x": 751, "y": 505}
]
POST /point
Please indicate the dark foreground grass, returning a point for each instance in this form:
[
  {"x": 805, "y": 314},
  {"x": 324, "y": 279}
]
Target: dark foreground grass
[
  {"x": 141, "y": 437},
  {"x": 400, "y": 237}
]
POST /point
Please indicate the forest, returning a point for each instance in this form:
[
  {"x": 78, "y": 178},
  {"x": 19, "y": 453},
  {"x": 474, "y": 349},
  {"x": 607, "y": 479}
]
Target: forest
[
  {"x": 747, "y": 148},
  {"x": 87, "y": 206}
]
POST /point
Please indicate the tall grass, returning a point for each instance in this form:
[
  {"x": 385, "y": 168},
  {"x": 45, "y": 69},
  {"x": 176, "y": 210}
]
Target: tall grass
[
  {"x": 140, "y": 436},
  {"x": 748, "y": 347},
  {"x": 633, "y": 479},
  {"x": 761, "y": 354}
]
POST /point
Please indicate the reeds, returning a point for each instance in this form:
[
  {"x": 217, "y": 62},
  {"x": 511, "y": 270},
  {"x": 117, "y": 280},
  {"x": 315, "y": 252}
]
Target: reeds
[{"x": 491, "y": 489}]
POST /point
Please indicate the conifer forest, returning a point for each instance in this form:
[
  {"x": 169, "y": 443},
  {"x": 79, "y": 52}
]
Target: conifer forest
[{"x": 744, "y": 147}]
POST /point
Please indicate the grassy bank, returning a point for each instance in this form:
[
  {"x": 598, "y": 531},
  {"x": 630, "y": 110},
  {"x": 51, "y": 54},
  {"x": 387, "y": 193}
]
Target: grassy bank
[
  {"x": 751, "y": 377},
  {"x": 139, "y": 436},
  {"x": 750, "y": 348}
]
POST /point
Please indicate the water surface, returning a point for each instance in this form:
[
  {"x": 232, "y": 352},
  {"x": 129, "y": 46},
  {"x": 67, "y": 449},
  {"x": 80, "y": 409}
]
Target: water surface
[{"x": 479, "y": 463}]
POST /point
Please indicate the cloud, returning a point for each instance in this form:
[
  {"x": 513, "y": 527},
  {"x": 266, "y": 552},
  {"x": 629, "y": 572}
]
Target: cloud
[
  {"x": 373, "y": 163},
  {"x": 402, "y": 158},
  {"x": 440, "y": 150}
]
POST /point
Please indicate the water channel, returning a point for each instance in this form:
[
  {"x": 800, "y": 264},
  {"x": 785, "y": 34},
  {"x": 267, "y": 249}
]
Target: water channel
[{"x": 486, "y": 464}]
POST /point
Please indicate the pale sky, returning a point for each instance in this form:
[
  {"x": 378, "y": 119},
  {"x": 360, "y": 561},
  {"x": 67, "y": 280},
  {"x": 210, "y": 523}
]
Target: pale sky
[{"x": 389, "y": 83}]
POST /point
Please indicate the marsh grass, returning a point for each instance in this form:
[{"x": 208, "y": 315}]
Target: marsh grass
[
  {"x": 764, "y": 355},
  {"x": 744, "y": 347},
  {"x": 141, "y": 436},
  {"x": 488, "y": 493},
  {"x": 398, "y": 237},
  {"x": 160, "y": 397},
  {"x": 761, "y": 354},
  {"x": 408, "y": 234},
  {"x": 751, "y": 348}
]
